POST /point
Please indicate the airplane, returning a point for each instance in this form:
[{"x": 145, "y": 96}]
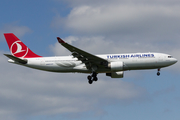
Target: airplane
[{"x": 80, "y": 61}]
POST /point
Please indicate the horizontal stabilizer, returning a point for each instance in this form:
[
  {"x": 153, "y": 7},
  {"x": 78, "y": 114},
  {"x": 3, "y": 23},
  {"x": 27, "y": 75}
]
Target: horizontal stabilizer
[{"x": 16, "y": 59}]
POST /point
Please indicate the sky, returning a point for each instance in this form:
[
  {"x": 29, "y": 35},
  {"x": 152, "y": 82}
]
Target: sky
[{"x": 98, "y": 27}]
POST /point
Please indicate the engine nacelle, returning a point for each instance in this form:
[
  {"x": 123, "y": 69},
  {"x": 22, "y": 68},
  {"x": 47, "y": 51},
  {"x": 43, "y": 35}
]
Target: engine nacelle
[
  {"x": 116, "y": 66},
  {"x": 116, "y": 74}
]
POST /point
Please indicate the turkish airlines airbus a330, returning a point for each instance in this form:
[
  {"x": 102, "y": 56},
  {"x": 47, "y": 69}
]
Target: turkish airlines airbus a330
[{"x": 112, "y": 65}]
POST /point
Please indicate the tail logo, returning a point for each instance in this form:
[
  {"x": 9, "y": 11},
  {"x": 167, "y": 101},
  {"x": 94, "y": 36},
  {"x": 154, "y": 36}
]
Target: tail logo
[{"x": 18, "y": 49}]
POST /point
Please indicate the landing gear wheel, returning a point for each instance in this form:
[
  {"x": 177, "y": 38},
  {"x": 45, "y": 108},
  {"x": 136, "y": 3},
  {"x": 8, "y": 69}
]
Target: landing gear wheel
[
  {"x": 90, "y": 81},
  {"x": 158, "y": 73},
  {"x": 89, "y": 77},
  {"x": 92, "y": 77},
  {"x": 95, "y": 79}
]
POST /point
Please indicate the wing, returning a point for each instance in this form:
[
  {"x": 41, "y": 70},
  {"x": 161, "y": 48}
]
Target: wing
[{"x": 87, "y": 58}]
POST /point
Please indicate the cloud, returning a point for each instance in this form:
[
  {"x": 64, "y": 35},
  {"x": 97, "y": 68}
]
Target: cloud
[
  {"x": 123, "y": 19},
  {"x": 14, "y": 28},
  {"x": 107, "y": 2},
  {"x": 124, "y": 27},
  {"x": 25, "y": 91},
  {"x": 89, "y": 44},
  {"x": 164, "y": 91},
  {"x": 139, "y": 27}
]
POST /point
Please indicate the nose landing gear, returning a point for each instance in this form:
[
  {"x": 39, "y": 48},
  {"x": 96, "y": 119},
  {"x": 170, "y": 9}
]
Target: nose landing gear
[
  {"x": 158, "y": 73},
  {"x": 92, "y": 77}
]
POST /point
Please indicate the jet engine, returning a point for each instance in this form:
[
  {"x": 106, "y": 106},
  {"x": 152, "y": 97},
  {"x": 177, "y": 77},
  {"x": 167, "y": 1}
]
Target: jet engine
[
  {"x": 116, "y": 74},
  {"x": 116, "y": 66}
]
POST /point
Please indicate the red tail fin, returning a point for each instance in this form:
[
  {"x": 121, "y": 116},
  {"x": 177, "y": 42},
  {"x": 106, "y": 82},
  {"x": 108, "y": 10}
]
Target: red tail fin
[{"x": 18, "y": 48}]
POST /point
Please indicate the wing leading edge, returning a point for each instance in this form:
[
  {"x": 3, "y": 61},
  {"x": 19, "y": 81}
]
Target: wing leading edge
[{"x": 91, "y": 61}]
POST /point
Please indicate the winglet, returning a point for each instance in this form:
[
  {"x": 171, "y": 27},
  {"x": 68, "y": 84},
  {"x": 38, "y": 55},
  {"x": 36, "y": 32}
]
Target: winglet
[{"x": 60, "y": 40}]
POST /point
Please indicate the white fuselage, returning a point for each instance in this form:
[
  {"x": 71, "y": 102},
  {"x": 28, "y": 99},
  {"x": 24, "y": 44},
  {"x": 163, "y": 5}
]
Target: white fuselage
[{"x": 134, "y": 61}]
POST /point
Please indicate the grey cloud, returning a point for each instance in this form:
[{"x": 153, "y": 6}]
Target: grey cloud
[
  {"x": 130, "y": 23},
  {"x": 107, "y": 2},
  {"x": 125, "y": 28},
  {"x": 123, "y": 20},
  {"x": 14, "y": 28},
  {"x": 138, "y": 22},
  {"x": 164, "y": 91},
  {"x": 28, "y": 92}
]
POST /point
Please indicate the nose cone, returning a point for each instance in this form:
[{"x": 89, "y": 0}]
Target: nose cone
[{"x": 174, "y": 60}]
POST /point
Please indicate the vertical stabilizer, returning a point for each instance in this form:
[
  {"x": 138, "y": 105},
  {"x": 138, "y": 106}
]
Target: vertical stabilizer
[{"x": 18, "y": 48}]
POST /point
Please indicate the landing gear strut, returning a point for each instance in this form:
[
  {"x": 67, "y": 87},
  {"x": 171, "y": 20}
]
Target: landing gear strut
[
  {"x": 158, "y": 73},
  {"x": 92, "y": 77}
]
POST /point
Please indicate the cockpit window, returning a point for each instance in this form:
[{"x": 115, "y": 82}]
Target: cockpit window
[{"x": 169, "y": 56}]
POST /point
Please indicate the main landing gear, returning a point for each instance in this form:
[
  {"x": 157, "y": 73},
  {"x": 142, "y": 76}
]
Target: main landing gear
[
  {"x": 92, "y": 77},
  {"x": 158, "y": 73}
]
